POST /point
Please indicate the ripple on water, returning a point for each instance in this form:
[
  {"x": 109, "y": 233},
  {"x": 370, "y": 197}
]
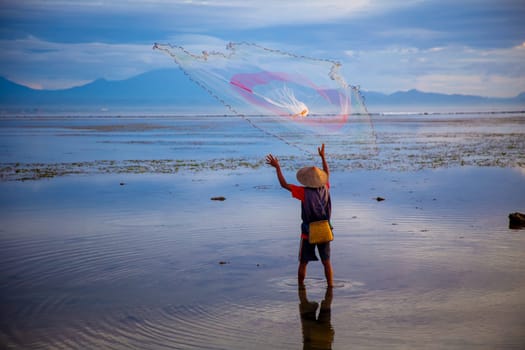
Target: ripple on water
[
  {"x": 318, "y": 285},
  {"x": 248, "y": 324}
]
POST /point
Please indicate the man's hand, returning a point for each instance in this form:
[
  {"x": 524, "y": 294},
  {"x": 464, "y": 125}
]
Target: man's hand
[
  {"x": 273, "y": 161},
  {"x": 321, "y": 151},
  {"x": 325, "y": 164}
]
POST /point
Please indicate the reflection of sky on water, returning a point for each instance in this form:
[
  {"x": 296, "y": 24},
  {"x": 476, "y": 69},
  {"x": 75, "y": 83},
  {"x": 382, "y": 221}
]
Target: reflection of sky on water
[
  {"x": 89, "y": 139},
  {"x": 87, "y": 256},
  {"x": 472, "y": 196}
]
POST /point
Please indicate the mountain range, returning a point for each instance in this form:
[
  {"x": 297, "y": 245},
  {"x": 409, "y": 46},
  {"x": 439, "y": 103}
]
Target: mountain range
[{"x": 171, "y": 87}]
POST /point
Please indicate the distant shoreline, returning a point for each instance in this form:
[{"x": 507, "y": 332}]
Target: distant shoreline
[{"x": 144, "y": 112}]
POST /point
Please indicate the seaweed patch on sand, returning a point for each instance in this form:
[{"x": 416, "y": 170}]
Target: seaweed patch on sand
[
  {"x": 37, "y": 171},
  {"x": 46, "y": 148},
  {"x": 505, "y": 152}
]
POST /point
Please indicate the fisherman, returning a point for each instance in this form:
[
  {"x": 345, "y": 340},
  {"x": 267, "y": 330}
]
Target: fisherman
[{"x": 315, "y": 205}]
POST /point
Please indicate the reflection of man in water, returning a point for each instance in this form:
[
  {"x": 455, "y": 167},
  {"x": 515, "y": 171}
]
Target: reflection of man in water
[{"x": 317, "y": 331}]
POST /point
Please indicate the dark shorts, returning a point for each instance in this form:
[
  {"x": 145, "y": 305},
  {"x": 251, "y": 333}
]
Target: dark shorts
[{"x": 307, "y": 251}]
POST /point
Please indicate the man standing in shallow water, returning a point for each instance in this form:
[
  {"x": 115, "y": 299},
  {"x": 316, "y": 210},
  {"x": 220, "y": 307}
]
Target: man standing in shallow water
[{"x": 315, "y": 205}]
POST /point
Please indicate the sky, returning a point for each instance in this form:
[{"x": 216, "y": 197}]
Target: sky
[{"x": 473, "y": 47}]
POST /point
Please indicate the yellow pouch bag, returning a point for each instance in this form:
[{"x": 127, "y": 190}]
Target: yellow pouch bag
[{"x": 320, "y": 232}]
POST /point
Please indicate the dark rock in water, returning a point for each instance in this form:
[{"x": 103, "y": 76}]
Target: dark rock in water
[
  {"x": 222, "y": 262},
  {"x": 218, "y": 198},
  {"x": 516, "y": 220},
  {"x": 379, "y": 199}
]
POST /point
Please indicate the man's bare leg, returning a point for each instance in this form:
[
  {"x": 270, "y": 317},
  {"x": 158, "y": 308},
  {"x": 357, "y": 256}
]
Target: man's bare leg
[
  {"x": 301, "y": 273},
  {"x": 328, "y": 273}
]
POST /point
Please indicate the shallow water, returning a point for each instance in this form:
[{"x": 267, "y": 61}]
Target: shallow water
[
  {"x": 133, "y": 261},
  {"x": 112, "y": 241},
  {"x": 43, "y": 147}
]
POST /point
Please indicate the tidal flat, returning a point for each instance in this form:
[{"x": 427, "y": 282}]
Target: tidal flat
[
  {"x": 44, "y": 147},
  {"x": 120, "y": 246}
]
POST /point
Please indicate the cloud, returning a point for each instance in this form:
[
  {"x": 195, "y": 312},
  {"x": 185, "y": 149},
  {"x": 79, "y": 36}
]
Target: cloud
[
  {"x": 49, "y": 65},
  {"x": 449, "y": 69},
  {"x": 208, "y": 14},
  {"x": 475, "y": 84},
  {"x": 410, "y": 33},
  {"x": 296, "y": 12},
  {"x": 384, "y": 45}
]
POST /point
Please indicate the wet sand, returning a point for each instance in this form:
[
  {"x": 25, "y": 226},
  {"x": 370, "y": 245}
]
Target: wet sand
[{"x": 144, "y": 259}]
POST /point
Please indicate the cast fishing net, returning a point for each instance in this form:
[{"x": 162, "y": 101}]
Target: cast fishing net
[{"x": 298, "y": 99}]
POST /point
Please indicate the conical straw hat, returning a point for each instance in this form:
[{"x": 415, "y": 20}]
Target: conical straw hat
[{"x": 312, "y": 177}]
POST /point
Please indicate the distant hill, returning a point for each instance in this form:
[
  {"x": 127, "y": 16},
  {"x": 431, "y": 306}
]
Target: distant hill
[
  {"x": 167, "y": 86},
  {"x": 171, "y": 87},
  {"x": 416, "y": 97},
  {"x": 8, "y": 90}
]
